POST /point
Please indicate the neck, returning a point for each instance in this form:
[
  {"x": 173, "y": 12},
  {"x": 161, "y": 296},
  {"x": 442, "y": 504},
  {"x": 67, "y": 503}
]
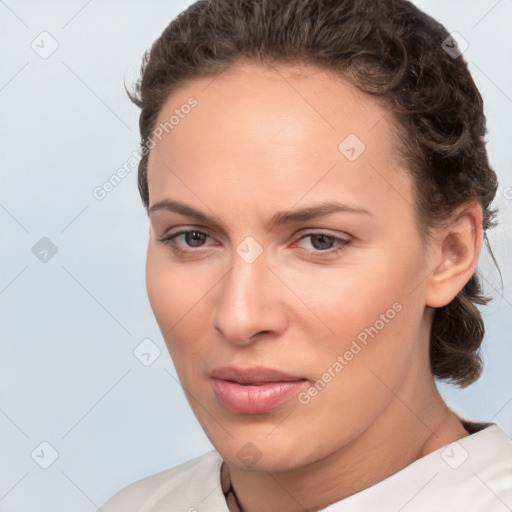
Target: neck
[{"x": 416, "y": 422}]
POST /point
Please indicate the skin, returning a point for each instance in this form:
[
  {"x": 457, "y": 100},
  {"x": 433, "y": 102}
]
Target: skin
[{"x": 264, "y": 140}]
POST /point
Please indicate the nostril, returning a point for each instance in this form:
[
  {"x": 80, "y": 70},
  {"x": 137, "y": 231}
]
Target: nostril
[{"x": 260, "y": 333}]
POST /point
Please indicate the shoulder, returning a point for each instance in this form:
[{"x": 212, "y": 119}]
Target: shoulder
[
  {"x": 185, "y": 487},
  {"x": 477, "y": 471},
  {"x": 472, "y": 474}
]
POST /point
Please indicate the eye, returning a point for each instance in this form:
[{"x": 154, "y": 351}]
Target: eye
[
  {"x": 193, "y": 238},
  {"x": 185, "y": 239},
  {"x": 323, "y": 242},
  {"x": 189, "y": 241}
]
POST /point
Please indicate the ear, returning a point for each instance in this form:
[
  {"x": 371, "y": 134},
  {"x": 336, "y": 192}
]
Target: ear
[{"x": 454, "y": 253}]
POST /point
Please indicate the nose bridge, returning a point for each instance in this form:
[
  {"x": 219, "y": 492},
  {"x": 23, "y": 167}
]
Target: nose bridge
[
  {"x": 245, "y": 304},
  {"x": 244, "y": 287}
]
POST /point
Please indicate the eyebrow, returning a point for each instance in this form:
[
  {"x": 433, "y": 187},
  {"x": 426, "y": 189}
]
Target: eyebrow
[{"x": 279, "y": 219}]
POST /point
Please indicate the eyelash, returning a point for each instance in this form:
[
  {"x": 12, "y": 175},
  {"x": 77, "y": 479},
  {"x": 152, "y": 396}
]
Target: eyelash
[{"x": 179, "y": 251}]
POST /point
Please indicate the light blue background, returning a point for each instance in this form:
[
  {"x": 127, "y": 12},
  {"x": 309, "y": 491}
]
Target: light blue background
[{"x": 69, "y": 326}]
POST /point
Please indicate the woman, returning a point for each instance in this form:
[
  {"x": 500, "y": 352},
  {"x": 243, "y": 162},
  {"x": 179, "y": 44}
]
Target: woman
[{"x": 318, "y": 188}]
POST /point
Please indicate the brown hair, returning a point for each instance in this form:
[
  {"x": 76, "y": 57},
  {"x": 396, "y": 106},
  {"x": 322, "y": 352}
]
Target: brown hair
[{"x": 387, "y": 48}]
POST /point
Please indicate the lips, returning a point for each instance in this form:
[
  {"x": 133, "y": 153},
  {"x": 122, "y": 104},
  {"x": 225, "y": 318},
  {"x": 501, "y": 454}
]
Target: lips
[{"x": 254, "y": 390}]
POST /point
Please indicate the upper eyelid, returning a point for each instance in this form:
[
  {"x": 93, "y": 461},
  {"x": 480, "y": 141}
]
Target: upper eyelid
[
  {"x": 183, "y": 231},
  {"x": 304, "y": 231},
  {"x": 315, "y": 231},
  {"x": 339, "y": 239},
  {"x": 301, "y": 233}
]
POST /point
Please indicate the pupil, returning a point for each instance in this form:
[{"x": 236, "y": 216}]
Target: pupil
[
  {"x": 322, "y": 241},
  {"x": 194, "y": 238}
]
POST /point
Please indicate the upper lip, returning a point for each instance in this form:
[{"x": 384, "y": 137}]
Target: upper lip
[{"x": 254, "y": 375}]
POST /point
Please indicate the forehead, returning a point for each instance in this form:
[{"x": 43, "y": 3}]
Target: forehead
[
  {"x": 280, "y": 101},
  {"x": 276, "y": 131}
]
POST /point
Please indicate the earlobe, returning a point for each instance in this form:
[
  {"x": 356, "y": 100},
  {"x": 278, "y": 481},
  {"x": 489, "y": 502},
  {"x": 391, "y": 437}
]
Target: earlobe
[{"x": 455, "y": 255}]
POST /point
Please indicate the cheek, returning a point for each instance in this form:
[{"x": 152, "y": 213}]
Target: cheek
[
  {"x": 162, "y": 288},
  {"x": 368, "y": 309},
  {"x": 179, "y": 299},
  {"x": 351, "y": 298},
  {"x": 376, "y": 328},
  {"x": 169, "y": 291}
]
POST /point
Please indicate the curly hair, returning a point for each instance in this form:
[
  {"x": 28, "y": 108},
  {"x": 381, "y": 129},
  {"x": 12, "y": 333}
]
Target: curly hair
[{"x": 386, "y": 48}]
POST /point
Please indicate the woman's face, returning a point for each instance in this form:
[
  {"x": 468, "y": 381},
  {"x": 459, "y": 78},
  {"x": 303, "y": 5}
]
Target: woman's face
[{"x": 304, "y": 258}]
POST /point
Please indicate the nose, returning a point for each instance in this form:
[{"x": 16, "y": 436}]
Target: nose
[{"x": 249, "y": 304}]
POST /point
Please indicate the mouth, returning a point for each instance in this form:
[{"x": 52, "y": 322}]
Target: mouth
[{"x": 254, "y": 390}]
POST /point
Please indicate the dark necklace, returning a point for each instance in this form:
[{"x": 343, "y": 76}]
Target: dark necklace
[{"x": 228, "y": 491}]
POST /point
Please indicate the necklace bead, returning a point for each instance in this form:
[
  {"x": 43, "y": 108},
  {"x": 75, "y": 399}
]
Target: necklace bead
[{"x": 227, "y": 489}]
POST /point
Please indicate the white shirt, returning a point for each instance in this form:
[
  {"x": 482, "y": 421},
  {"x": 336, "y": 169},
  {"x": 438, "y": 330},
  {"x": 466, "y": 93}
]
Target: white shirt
[{"x": 469, "y": 475}]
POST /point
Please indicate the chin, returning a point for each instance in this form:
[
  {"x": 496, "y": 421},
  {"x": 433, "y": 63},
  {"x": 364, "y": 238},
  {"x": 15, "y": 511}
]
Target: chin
[{"x": 257, "y": 451}]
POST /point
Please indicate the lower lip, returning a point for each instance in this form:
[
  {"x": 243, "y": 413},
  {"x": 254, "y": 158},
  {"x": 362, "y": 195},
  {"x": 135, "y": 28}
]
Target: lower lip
[{"x": 255, "y": 399}]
